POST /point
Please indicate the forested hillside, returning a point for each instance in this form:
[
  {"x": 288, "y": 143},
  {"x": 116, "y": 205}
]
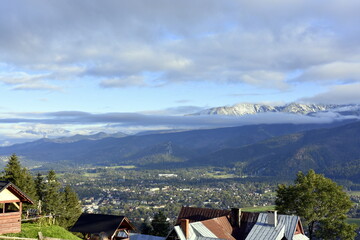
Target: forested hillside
[{"x": 334, "y": 151}]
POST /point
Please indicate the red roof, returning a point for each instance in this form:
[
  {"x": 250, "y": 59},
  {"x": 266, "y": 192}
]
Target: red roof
[{"x": 200, "y": 214}]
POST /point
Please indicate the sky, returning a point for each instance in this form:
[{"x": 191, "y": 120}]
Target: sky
[{"x": 86, "y": 66}]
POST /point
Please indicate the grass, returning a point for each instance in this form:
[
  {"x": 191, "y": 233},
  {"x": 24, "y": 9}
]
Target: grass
[
  {"x": 220, "y": 175},
  {"x": 123, "y": 166},
  {"x": 259, "y": 209},
  {"x": 354, "y": 193},
  {"x": 30, "y": 230},
  {"x": 353, "y": 221}
]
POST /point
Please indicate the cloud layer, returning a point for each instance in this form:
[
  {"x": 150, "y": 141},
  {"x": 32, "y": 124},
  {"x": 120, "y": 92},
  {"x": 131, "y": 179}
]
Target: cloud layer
[
  {"x": 136, "y": 43},
  {"x": 56, "y": 123}
]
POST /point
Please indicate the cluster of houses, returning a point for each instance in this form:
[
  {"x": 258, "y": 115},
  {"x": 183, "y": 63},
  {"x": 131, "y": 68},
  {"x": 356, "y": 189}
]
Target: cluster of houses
[{"x": 192, "y": 223}]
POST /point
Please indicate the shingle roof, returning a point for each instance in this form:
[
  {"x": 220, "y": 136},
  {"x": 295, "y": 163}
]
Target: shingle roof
[
  {"x": 97, "y": 223},
  {"x": 200, "y": 214},
  {"x": 15, "y": 190}
]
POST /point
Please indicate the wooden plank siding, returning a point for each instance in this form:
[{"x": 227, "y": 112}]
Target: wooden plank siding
[{"x": 10, "y": 222}]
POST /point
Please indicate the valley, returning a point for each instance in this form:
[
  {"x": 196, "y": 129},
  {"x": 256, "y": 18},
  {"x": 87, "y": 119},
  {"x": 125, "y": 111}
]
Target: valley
[{"x": 139, "y": 175}]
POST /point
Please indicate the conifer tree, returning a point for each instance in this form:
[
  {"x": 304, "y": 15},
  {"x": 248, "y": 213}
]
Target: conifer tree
[
  {"x": 40, "y": 186},
  {"x": 71, "y": 208},
  {"x": 146, "y": 227},
  {"x": 52, "y": 196},
  {"x": 160, "y": 226},
  {"x": 20, "y": 176},
  {"x": 12, "y": 171}
]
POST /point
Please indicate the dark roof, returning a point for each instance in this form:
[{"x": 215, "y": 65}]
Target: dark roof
[
  {"x": 200, "y": 214},
  {"x": 16, "y": 191},
  {"x": 248, "y": 220},
  {"x": 97, "y": 223}
]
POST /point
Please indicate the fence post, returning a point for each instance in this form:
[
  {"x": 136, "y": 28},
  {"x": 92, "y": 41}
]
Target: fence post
[{"x": 41, "y": 237}]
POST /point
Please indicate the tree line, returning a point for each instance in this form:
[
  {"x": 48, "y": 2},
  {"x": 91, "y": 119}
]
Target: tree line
[{"x": 50, "y": 198}]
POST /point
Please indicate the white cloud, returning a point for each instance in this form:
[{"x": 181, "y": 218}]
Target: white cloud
[
  {"x": 343, "y": 94},
  {"x": 123, "y": 82},
  {"x": 253, "y": 42},
  {"x": 332, "y": 72},
  {"x": 24, "y": 80}
]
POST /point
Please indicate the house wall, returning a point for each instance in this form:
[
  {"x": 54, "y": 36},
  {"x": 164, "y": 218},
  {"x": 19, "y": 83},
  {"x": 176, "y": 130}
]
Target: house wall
[{"x": 10, "y": 222}]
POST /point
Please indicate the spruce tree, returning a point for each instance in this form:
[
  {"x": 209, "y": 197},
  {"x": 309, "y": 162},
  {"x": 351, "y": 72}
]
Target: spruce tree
[
  {"x": 160, "y": 226},
  {"x": 146, "y": 227},
  {"x": 52, "y": 202},
  {"x": 71, "y": 208},
  {"x": 13, "y": 173},
  {"x": 20, "y": 176},
  {"x": 40, "y": 186}
]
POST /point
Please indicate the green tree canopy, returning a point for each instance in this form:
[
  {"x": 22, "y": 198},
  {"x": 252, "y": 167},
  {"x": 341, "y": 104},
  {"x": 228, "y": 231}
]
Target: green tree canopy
[
  {"x": 146, "y": 227},
  {"x": 71, "y": 208},
  {"x": 320, "y": 202},
  {"x": 40, "y": 186},
  {"x": 160, "y": 226}
]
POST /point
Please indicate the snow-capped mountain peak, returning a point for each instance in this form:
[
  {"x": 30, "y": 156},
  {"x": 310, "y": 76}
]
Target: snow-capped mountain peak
[{"x": 241, "y": 109}]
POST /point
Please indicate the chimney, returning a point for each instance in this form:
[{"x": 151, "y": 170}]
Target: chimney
[
  {"x": 184, "y": 224},
  {"x": 235, "y": 217},
  {"x": 272, "y": 218}
]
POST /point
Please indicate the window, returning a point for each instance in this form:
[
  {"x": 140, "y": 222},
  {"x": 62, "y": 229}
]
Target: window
[{"x": 9, "y": 207}]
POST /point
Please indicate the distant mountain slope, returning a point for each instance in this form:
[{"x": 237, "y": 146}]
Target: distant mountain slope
[
  {"x": 298, "y": 108},
  {"x": 132, "y": 149},
  {"x": 333, "y": 151},
  {"x": 79, "y": 137}
]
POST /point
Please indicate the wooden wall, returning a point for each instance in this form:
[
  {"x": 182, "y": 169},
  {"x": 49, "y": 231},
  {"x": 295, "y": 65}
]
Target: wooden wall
[{"x": 10, "y": 222}]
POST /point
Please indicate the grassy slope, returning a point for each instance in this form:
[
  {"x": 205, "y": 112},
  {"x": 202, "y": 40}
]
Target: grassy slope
[
  {"x": 258, "y": 209},
  {"x": 30, "y": 230}
]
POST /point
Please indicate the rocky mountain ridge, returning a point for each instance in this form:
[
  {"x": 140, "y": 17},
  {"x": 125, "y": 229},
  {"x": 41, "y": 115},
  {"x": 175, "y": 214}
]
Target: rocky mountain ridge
[{"x": 241, "y": 109}]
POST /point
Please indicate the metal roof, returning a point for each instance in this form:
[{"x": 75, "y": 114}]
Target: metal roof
[
  {"x": 285, "y": 227},
  {"x": 220, "y": 226},
  {"x": 217, "y": 224},
  {"x": 200, "y": 214},
  {"x": 216, "y": 228},
  {"x": 137, "y": 236},
  {"x": 248, "y": 220}
]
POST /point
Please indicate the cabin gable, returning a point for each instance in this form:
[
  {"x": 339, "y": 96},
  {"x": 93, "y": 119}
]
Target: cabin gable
[
  {"x": 11, "y": 199},
  {"x": 6, "y": 196}
]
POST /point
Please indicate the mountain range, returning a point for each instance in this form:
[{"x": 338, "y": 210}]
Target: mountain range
[
  {"x": 257, "y": 150},
  {"x": 241, "y": 109}
]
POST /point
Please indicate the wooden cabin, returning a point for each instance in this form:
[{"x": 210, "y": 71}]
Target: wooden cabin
[
  {"x": 11, "y": 200},
  {"x": 110, "y": 226}
]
